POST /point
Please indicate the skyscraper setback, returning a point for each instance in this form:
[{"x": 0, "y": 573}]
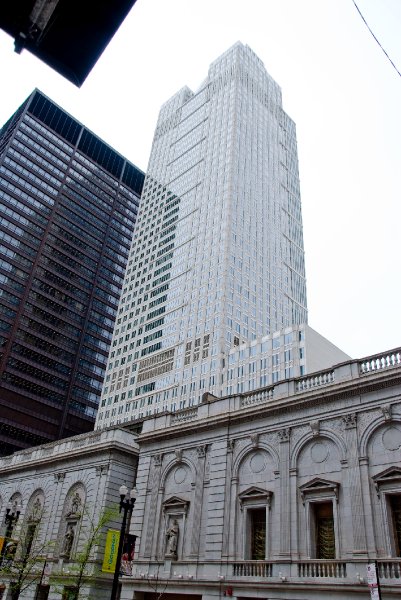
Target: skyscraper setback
[
  {"x": 218, "y": 258},
  {"x": 68, "y": 204}
]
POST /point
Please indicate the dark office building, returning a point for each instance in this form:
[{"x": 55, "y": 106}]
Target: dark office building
[{"x": 68, "y": 204}]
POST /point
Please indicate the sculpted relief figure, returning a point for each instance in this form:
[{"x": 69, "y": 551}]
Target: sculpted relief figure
[
  {"x": 36, "y": 511},
  {"x": 76, "y": 503},
  {"x": 172, "y": 539},
  {"x": 68, "y": 541}
]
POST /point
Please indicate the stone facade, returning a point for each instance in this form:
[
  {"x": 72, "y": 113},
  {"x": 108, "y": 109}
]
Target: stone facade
[
  {"x": 208, "y": 476},
  {"x": 69, "y": 483},
  {"x": 232, "y": 494}
]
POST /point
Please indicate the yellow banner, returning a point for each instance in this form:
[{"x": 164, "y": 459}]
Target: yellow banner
[{"x": 110, "y": 551}]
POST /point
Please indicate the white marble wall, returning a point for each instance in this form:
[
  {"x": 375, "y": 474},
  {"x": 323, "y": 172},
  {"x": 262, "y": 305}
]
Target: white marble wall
[{"x": 338, "y": 441}]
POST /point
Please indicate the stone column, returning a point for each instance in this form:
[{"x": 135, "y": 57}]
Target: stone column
[
  {"x": 294, "y": 514},
  {"x": 55, "y": 508},
  {"x": 152, "y": 497},
  {"x": 356, "y": 517},
  {"x": 367, "y": 500},
  {"x": 198, "y": 500},
  {"x": 285, "y": 508},
  {"x": 229, "y": 502}
]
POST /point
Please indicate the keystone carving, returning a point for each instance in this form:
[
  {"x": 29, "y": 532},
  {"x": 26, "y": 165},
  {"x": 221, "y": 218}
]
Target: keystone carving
[
  {"x": 254, "y": 439},
  {"x": 201, "y": 451},
  {"x": 230, "y": 445},
  {"x": 386, "y": 410},
  {"x": 284, "y": 434},
  {"x": 349, "y": 420},
  {"x": 158, "y": 459}
]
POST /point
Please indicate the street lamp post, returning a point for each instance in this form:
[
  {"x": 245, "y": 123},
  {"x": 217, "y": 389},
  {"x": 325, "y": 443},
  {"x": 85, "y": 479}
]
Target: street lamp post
[
  {"x": 127, "y": 501},
  {"x": 12, "y": 515}
]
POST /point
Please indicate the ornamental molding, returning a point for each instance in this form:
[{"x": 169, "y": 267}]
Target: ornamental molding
[
  {"x": 255, "y": 494},
  {"x": 389, "y": 479},
  {"x": 175, "y": 505},
  {"x": 386, "y": 412},
  {"x": 284, "y": 434},
  {"x": 317, "y": 488},
  {"x": 349, "y": 421},
  {"x": 157, "y": 459},
  {"x": 201, "y": 451},
  {"x": 254, "y": 440},
  {"x": 315, "y": 428}
]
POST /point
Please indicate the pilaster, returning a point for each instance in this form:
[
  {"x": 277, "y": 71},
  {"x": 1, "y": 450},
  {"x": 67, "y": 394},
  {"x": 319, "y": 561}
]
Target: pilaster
[
  {"x": 356, "y": 517},
  {"x": 285, "y": 508}
]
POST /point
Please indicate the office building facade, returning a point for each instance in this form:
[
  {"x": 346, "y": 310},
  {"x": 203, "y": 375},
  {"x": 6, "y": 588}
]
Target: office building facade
[
  {"x": 68, "y": 206},
  {"x": 219, "y": 258}
]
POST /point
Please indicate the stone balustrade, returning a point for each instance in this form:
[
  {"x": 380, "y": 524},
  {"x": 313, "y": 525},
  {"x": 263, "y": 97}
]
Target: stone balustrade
[
  {"x": 389, "y": 569},
  {"x": 388, "y": 360},
  {"x": 182, "y": 416},
  {"x": 315, "y": 380},
  {"x": 252, "y": 568},
  {"x": 294, "y": 571},
  {"x": 322, "y": 568},
  {"x": 213, "y": 407},
  {"x": 257, "y": 397}
]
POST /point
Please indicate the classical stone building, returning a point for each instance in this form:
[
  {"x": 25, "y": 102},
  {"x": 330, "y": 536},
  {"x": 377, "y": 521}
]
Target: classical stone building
[
  {"x": 283, "y": 493},
  {"x": 287, "y": 492},
  {"x": 62, "y": 490}
]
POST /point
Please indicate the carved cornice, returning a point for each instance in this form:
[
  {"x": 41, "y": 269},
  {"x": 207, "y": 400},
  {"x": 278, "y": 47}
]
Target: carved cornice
[
  {"x": 318, "y": 487},
  {"x": 287, "y": 406}
]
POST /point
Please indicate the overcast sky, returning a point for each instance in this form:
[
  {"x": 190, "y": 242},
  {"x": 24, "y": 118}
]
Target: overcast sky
[{"x": 338, "y": 87}]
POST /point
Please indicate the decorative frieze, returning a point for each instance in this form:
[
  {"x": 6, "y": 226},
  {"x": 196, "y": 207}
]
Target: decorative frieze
[
  {"x": 349, "y": 420},
  {"x": 157, "y": 459},
  {"x": 386, "y": 411},
  {"x": 284, "y": 434},
  {"x": 254, "y": 440},
  {"x": 102, "y": 469},
  {"x": 201, "y": 451},
  {"x": 315, "y": 428},
  {"x": 230, "y": 445}
]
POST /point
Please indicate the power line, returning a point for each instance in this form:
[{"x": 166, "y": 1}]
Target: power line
[{"x": 364, "y": 20}]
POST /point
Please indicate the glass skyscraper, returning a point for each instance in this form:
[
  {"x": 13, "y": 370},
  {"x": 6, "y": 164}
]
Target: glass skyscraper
[
  {"x": 218, "y": 257},
  {"x": 68, "y": 204}
]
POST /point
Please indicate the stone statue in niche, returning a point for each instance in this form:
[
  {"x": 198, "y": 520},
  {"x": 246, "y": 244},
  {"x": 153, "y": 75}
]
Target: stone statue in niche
[
  {"x": 172, "y": 539},
  {"x": 36, "y": 511},
  {"x": 68, "y": 541},
  {"x": 76, "y": 503}
]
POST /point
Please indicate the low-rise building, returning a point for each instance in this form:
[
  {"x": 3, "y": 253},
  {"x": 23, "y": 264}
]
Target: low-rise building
[
  {"x": 286, "y": 492},
  {"x": 61, "y": 492}
]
